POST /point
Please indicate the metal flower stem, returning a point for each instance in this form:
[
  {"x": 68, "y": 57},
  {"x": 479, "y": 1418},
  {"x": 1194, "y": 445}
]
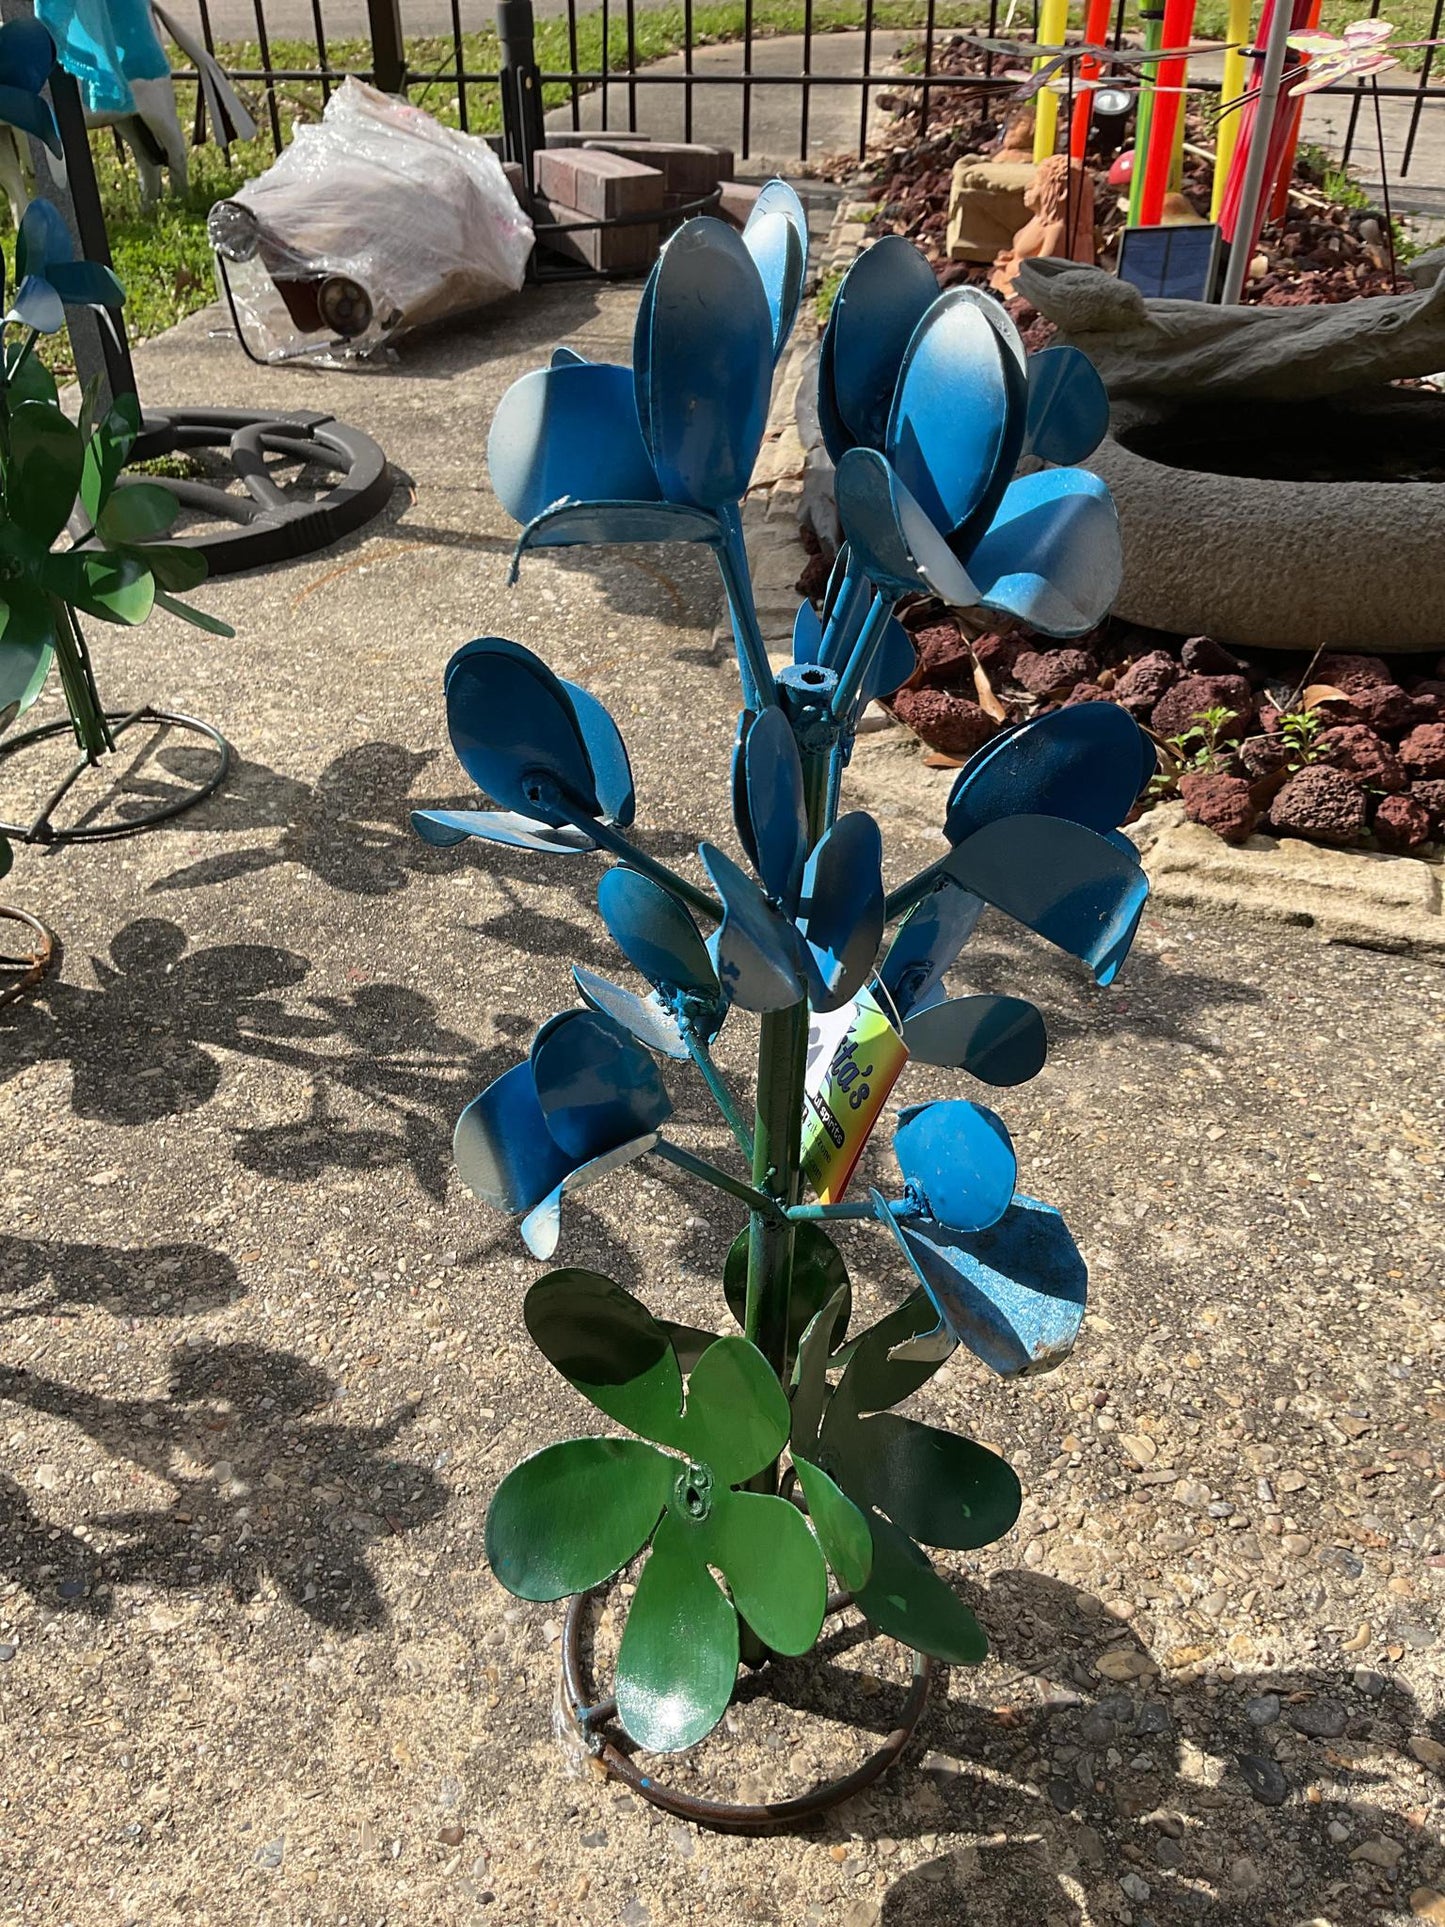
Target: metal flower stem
[
  {"x": 902, "y": 900},
  {"x": 757, "y": 1201},
  {"x": 870, "y": 640},
  {"x": 721, "y": 1095},
  {"x": 759, "y": 689},
  {"x": 613, "y": 841}
]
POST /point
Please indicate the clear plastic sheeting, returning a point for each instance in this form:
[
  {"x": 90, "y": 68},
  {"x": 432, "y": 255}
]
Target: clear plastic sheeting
[{"x": 373, "y": 220}]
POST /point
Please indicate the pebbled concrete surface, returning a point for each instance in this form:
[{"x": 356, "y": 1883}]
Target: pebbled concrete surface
[{"x": 262, "y": 1364}]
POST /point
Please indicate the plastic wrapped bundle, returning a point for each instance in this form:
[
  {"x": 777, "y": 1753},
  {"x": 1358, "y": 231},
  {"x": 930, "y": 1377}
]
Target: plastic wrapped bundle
[{"x": 373, "y": 220}]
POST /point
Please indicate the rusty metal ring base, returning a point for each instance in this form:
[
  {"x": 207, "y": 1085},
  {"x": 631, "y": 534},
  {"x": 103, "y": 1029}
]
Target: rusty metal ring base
[
  {"x": 728, "y": 1816},
  {"x": 16, "y": 974}
]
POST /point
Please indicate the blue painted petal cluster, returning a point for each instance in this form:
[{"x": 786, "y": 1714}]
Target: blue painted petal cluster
[
  {"x": 27, "y": 54},
  {"x": 48, "y": 277}
]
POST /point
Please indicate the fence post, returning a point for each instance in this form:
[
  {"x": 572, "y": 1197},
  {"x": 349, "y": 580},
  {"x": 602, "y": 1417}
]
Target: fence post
[
  {"x": 388, "y": 46},
  {"x": 522, "y": 131}
]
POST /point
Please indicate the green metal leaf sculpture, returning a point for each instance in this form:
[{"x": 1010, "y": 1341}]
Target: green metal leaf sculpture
[{"x": 753, "y": 1464}]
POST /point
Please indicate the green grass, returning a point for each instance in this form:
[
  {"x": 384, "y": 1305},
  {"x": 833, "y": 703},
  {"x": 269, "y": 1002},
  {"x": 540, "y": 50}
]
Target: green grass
[{"x": 162, "y": 255}]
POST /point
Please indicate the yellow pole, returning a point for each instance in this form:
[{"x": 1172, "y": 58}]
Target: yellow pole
[
  {"x": 1053, "y": 25},
  {"x": 1231, "y": 87}
]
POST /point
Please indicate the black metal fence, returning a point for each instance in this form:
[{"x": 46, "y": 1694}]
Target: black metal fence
[{"x": 384, "y": 41}]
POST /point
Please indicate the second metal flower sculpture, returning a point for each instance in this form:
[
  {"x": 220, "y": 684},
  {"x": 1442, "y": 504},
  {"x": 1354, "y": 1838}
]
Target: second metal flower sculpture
[{"x": 769, "y": 1457}]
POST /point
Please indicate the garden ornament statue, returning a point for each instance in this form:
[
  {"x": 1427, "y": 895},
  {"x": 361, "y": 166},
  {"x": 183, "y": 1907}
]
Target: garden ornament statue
[{"x": 771, "y": 1454}]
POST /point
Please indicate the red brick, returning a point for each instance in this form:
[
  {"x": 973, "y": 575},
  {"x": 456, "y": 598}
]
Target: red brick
[
  {"x": 739, "y": 198},
  {"x": 599, "y": 184},
  {"x": 609, "y": 250}
]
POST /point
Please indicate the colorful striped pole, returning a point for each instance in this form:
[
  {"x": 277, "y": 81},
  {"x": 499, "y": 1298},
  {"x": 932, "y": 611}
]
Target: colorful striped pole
[
  {"x": 1167, "y": 115},
  {"x": 1053, "y": 25},
  {"x": 1152, "y": 19}
]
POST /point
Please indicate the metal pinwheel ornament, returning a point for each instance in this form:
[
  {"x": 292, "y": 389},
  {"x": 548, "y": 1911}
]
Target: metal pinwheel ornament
[{"x": 763, "y": 1457}]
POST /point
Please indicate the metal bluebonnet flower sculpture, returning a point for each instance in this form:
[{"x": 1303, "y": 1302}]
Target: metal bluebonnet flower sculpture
[
  {"x": 27, "y": 54},
  {"x": 928, "y": 402}
]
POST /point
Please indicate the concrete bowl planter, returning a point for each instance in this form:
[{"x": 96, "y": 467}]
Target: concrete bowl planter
[{"x": 1291, "y": 525}]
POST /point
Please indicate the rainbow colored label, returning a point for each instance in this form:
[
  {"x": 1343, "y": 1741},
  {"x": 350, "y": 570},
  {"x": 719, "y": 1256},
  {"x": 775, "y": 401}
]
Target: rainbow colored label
[{"x": 854, "y": 1057}]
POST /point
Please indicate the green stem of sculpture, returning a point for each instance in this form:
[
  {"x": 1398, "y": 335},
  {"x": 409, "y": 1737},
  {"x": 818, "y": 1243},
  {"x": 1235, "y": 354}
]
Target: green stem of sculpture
[
  {"x": 721, "y": 1095},
  {"x": 757, "y": 1202}
]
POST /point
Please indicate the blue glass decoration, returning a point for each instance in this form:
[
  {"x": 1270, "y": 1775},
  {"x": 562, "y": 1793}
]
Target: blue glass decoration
[{"x": 927, "y": 403}]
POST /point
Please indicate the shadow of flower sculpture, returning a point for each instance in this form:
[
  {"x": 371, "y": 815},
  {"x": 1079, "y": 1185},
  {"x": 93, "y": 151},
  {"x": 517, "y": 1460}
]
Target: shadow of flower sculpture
[{"x": 771, "y": 1456}]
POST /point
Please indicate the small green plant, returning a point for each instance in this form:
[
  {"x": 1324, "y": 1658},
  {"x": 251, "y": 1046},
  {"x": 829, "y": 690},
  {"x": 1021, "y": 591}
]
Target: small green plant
[
  {"x": 1300, "y": 729},
  {"x": 827, "y": 293},
  {"x": 1201, "y": 749}
]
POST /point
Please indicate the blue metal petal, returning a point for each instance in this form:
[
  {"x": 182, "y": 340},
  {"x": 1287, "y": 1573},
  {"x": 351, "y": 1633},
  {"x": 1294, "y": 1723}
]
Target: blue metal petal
[
  {"x": 881, "y": 300},
  {"x": 511, "y": 722},
  {"x": 707, "y": 365},
  {"x": 27, "y": 54},
  {"x": 567, "y": 358},
  {"x": 43, "y": 241},
  {"x": 37, "y": 305},
  {"x": 807, "y": 635},
  {"x": 645, "y": 1018},
  {"x": 542, "y": 1226},
  {"x": 587, "y": 524},
  {"x": 892, "y": 540},
  {"x": 758, "y": 953},
  {"x": 1052, "y": 557},
  {"x": 894, "y": 663},
  {"x": 1068, "y": 407},
  {"x": 441, "y": 828},
  {"x": 958, "y": 1160},
  {"x": 85, "y": 284},
  {"x": 611, "y": 771},
  {"x": 569, "y": 434},
  {"x": 655, "y": 931},
  {"x": 1059, "y": 879},
  {"x": 777, "y": 819},
  {"x": 502, "y": 1147},
  {"x": 1014, "y": 1294},
  {"x": 1081, "y": 762},
  {"x": 780, "y": 252},
  {"x": 926, "y": 944},
  {"x": 596, "y": 1087},
  {"x": 840, "y": 911},
  {"x": 21, "y": 108},
  {"x": 999, "y": 1040},
  {"x": 958, "y": 420}
]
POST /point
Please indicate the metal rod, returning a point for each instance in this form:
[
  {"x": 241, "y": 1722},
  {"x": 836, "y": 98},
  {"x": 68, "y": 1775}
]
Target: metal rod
[
  {"x": 732, "y": 560},
  {"x": 867, "y": 64},
  {"x": 747, "y": 76},
  {"x": 606, "y": 61},
  {"x": 388, "y": 45},
  {"x": 1252, "y": 190},
  {"x": 806, "y": 90},
  {"x": 1420, "y": 91},
  {"x": 1353, "y": 122},
  {"x": 870, "y": 640},
  {"x": 758, "y": 1202},
  {"x": 572, "y": 54},
  {"x": 687, "y": 69},
  {"x": 1385, "y": 187},
  {"x": 615, "y": 842},
  {"x": 721, "y": 1095},
  {"x": 461, "y": 65},
  {"x": 272, "y": 109},
  {"x": 822, "y": 1213},
  {"x": 321, "y": 54},
  {"x": 928, "y": 25},
  {"x": 902, "y": 900}
]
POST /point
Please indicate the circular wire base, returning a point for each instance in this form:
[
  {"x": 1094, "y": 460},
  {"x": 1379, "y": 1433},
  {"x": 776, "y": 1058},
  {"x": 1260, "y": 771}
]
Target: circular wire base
[
  {"x": 726, "y": 1816},
  {"x": 19, "y": 974},
  {"x": 41, "y": 829}
]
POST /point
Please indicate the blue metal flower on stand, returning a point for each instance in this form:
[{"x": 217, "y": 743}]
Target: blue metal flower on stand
[{"x": 928, "y": 403}]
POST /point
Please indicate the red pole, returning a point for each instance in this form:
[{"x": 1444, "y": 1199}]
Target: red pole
[
  {"x": 1096, "y": 25},
  {"x": 1168, "y": 107}
]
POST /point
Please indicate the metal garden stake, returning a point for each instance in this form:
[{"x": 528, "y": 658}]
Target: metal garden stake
[{"x": 770, "y": 1454}]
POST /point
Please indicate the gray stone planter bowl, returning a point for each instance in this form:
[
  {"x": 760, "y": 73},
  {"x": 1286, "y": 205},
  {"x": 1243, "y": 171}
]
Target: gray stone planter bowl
[{"x": 1232, "y": 529}]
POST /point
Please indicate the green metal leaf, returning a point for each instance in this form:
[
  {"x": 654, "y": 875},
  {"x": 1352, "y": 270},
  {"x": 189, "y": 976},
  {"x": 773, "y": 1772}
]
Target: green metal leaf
[
  {"x": 872, "y": 1380},
  {"x": 678, "y": 1662},
  {"x": 841, "y": 1528},
  {"x": 810, "y": 1373},
  {"x": 175, "y": 567},
  {"x": 775, "y": 1572},
  {"x": 198, "y": 618},
  {"x": 904, "y": 1596},
  {"x": 114, "y": 588},
  {"x": 572, "y": 1515},
  {"x": 688, "y": 1341},
  {"x": 939, "y": 1488},
  {"x": 818, "y": 1271},
  {"x": 610, "y": 1348},
  {"x": 736, "y": 1418},
  {"x": 42, "y": 469},
  {"x": 105, "y": 454},
  {"x": 136, "y": 512},
  {"x": 27, "y": 648},
  {"x": 34, "y": 381}
]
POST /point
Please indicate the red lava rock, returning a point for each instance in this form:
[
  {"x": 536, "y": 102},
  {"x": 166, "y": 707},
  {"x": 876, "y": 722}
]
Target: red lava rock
[
  {"x": 1050, "y": 672},
  {"x": 1402, "y": 823},
  {"x": 1203, "y": 656},
  {"x": 1088, "y": 692},
  {"x": 1263, "y": 755},
  {"x": 1383, "y": 705},
  {"x": 996, "y": 655},
  {"x": 1269, "y": 719},
  {"x": 1423, "y": 750},
  {"x": 1431, "y": 794},
  {"x": 1145, "y": 681},
  {"x": 1427, "y": 701},
  {"x": 1321, "y": 803},
  {"x": 1221, "y": 803},
  {"x": 942, "y": 652},
  {"x": 814, "y": 579},
  {"x": 1175, "y": 711},
  {"x": 951, "y": 724},
  {"x": 1365, "y": 755},
  {"x": 1351, "y": 672}
]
